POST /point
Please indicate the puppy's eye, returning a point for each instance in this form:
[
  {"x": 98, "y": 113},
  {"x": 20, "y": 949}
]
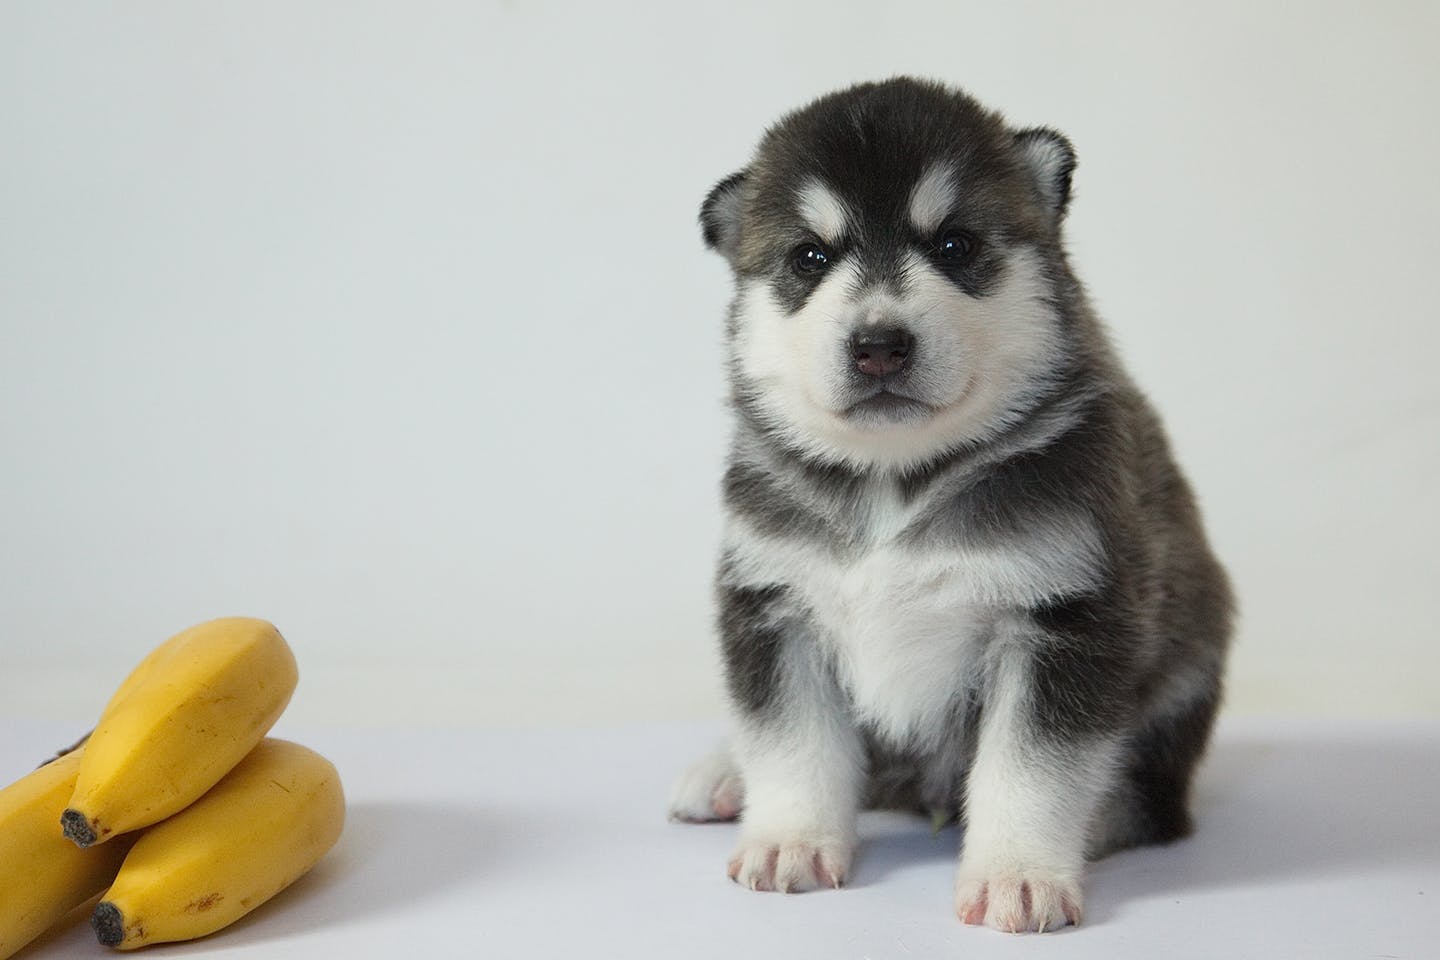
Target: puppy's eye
[
  {"x": 810, "y": 258},
  {"x": 957, "y": 245}
]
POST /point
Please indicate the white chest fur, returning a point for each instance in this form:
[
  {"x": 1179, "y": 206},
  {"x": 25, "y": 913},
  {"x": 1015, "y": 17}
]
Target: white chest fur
[
  {"x": 905, "y": 626},
  {"x": 904, "y": 635}
]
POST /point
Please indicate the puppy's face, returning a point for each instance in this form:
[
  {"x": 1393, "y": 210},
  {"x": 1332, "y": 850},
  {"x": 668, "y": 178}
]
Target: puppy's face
[{"x": 893, "y": 247}]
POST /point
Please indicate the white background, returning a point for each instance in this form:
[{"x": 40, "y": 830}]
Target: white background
[{"x": 391, "y": 323}]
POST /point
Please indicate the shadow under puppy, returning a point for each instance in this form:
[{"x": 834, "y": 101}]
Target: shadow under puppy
[{"x": 961, "y": 571}]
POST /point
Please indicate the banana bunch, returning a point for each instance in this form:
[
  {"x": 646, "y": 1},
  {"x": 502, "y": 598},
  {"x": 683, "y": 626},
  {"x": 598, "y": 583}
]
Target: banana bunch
[{"x": 177, "y": 807}]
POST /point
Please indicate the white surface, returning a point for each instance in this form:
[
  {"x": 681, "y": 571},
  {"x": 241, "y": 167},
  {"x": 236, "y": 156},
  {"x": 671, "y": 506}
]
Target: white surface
[
  {"x": 390, "y": 322},
  {"x": 1315, "y": 841}
]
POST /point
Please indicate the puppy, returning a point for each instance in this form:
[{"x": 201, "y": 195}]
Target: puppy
[{"x": 961, "y": 572}]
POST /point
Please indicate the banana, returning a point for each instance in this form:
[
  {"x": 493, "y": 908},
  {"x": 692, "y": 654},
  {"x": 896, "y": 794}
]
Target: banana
[
  {"x": 182, "y": 719},
  {"x": 255, "y": 833},
  {"x": 42, "y": 877}
]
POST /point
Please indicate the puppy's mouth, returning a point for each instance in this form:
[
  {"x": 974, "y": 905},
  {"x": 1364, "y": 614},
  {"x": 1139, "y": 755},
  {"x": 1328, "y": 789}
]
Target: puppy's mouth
[{"x": 886, "y": 407}]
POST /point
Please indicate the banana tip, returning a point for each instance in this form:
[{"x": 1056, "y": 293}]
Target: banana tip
[
  {"x": 108, "y": 924},
  {"x": 77, "y": 828}
]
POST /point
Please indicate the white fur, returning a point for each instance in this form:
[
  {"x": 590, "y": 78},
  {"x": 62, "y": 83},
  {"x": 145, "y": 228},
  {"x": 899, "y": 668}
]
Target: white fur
[
  {"x": 933, "y": 198},
  {"x": 823, "y": 211},
  {"x": 904, "y": 624},
  {"x": 979, "y": 359}
]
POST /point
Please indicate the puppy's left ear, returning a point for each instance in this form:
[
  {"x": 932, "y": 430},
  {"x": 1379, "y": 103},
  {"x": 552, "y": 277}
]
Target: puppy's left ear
[
  {"x": 720, "y": 216},
  {"x": 1051, "y": 160}
]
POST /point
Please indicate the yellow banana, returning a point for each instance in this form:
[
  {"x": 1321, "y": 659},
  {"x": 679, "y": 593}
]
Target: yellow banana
[
  {"x": 182, "y": 719},
  {"x": 43, "y": 877},
  {"x": 255, "y": 833}
]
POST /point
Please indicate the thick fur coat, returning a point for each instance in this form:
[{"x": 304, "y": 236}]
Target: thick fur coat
[{"x": 961, "y": 571}]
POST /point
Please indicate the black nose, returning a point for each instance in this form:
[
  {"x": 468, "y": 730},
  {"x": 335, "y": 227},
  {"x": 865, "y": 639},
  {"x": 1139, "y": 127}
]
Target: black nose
[{"x": 881, "y": 351}]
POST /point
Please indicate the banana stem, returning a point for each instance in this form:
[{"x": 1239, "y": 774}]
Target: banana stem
[
  {"x": 64, "y": 750},
  {"x": 108, "y": 924}
]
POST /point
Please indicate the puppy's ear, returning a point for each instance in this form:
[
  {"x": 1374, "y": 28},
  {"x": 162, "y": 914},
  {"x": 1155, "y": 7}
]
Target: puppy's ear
[
  {"x": 720, "y": 216},
  {"x": 1051, "y": 160}
]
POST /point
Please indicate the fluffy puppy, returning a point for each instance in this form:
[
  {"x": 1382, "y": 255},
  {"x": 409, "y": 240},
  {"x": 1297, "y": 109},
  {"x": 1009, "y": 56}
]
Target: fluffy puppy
[{"x": 961, "y": 571}]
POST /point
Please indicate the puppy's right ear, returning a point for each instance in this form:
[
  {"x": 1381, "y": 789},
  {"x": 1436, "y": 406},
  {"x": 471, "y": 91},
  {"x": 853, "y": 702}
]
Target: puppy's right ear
[
  {"x": 720, "y": 216},
  {"x": 1051, "y": 160}
]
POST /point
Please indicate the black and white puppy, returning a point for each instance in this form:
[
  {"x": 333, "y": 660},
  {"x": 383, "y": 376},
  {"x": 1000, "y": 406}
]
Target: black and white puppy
[{"x": 961, "y": 571}]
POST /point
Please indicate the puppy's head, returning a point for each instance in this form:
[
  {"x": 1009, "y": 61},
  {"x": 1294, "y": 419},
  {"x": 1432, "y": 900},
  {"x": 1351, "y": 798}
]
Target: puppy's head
[{"x": 895, "y": 249}]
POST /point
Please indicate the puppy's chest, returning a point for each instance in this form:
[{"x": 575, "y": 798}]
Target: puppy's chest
[
  {"x": 904, "y": 600},
  {"x": 903, "y": 625},
  {"x": 904, "y": 635}
]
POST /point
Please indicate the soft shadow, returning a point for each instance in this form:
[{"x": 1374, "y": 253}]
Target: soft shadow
[
  {"x": 1284, "y": 808},
  {"x": 898, "y": 842},
  {"x": 390, "y": 856}
]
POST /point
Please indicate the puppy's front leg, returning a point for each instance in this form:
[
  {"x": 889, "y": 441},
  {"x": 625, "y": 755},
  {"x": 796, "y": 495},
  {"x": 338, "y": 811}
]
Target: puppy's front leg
[
  {"x": 799, "y": 754},
  {"x": 1045, "y": 760}
]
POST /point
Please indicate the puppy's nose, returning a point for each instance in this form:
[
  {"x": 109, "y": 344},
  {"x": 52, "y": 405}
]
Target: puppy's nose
[{"x": 881, "y": 351}]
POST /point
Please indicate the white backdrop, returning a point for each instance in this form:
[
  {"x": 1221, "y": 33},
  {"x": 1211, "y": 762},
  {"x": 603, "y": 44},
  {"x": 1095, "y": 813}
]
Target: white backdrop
[{"x": 391, "y": 323}]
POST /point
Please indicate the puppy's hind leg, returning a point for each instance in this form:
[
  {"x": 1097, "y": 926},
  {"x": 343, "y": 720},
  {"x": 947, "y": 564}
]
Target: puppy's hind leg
[
  {"x": 710, "y": 791},
  {"x": 1151, "y": 801}
]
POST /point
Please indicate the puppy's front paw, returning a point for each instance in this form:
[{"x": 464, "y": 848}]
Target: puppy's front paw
[
  {"x": 791, "y": 866},
  {"x": 1017, "y": 903}
]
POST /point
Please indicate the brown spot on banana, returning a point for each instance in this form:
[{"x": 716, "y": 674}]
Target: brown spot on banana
[{"x": 204, "y": 903}]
